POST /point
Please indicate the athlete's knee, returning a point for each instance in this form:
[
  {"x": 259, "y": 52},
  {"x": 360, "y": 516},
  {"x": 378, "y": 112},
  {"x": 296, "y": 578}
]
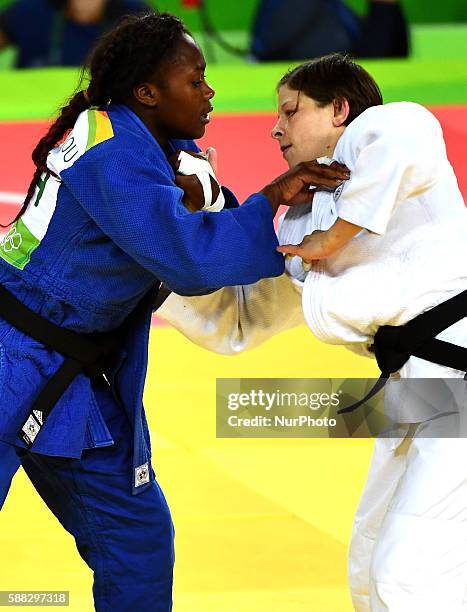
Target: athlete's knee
[
  {"x": 136, "y": 542},
  {"x": 153, "y": 534},
  {"x": 394, "y": 577},
  {"x": 384, "y": 565}
]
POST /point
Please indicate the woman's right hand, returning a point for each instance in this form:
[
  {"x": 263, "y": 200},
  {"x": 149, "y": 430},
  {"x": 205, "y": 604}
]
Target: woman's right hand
[{"x": 293, "y": 187}]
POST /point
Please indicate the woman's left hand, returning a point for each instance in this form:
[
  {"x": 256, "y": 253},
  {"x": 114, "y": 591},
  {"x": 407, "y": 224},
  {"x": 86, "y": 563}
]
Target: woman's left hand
[
  {"x": 321, "y": 244},
  {"x": 312, "y": 248}
]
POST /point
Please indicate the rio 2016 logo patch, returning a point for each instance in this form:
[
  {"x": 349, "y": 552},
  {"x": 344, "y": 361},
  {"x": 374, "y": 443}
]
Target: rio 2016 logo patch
[{"x": 12, "y": 241}]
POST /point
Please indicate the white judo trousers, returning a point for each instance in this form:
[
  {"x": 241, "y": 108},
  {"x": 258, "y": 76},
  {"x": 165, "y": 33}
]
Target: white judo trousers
[{"x": 408, "y": 551}]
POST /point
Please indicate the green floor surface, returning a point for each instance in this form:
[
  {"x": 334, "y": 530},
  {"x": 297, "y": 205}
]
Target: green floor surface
[{"x": 36, "y": 94}]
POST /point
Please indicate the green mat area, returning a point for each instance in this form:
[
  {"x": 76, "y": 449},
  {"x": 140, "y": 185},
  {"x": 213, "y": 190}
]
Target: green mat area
[
  {"x": 436, "y": 73},
  {"x": 36, "y": 94}
]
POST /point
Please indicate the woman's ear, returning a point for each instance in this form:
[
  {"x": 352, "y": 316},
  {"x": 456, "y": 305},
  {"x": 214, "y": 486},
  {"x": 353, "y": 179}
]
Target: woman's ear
[
  {"x": 147, "y": 94},
  {"x": 341, "y": 111}
]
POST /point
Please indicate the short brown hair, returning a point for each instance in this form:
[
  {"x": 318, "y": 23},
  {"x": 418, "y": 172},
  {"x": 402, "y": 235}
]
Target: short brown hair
[{"x": 332, "y": 77}]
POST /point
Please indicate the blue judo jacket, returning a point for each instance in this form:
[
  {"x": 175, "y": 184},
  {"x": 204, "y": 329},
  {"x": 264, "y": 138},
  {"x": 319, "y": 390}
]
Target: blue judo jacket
[{"x": 88, "y": 254}]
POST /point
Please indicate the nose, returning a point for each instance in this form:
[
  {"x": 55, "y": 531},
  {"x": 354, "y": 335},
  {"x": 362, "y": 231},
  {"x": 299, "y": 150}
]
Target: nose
[
  {"x": 210, "y": 92},
  {"x": 277, "y": 131}
]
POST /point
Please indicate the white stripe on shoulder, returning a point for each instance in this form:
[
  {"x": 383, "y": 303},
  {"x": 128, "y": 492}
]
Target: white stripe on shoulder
[{"x": 65, "y": 155}]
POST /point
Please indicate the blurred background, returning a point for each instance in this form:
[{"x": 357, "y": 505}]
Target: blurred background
[
  {"x": 262, "y": 525},
  {"x": 230, "y": 31}
]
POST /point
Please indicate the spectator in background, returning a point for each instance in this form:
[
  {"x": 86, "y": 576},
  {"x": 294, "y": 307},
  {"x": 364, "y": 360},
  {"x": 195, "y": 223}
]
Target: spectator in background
[
  {"x": 303, "y": 29},
  {"x": 59, "y": 32}
]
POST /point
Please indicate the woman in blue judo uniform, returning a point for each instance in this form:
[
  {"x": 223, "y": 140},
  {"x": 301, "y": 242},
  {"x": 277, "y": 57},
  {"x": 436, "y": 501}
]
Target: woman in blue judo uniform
[{"x": 102, "y": 225}]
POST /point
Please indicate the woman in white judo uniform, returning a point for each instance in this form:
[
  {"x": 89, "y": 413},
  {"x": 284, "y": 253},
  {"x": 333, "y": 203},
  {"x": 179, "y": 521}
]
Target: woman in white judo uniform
[{"x": 387, "y": 246}]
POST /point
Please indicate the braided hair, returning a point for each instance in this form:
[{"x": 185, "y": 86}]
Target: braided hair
[{"x": 128, "y": 54}]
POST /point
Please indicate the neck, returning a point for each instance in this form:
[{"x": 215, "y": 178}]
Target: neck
[
  {"x": 146, "y": 116},
  {"x": 336, "y": 139}
]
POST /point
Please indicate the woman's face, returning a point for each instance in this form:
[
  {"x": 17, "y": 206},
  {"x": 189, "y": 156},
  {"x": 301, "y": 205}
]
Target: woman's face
[
  {"x": 304, "y": 130},
  {"x": 183, "y": 99}
]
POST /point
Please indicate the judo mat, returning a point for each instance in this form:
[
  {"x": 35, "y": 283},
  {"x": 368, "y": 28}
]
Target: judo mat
[{"x": 261, "y": 525}]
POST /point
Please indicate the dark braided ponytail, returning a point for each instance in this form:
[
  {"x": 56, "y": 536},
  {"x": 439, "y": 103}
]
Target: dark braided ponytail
[
  {"x": 66, "y": 120},
  {"x": 125, "y": 56}
]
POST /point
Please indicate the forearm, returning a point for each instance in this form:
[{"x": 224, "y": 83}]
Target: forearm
[
  {"x": 337, "y": 236},
  {"x": 270, "y": 193},
  {"x": 235, "y": 319}
]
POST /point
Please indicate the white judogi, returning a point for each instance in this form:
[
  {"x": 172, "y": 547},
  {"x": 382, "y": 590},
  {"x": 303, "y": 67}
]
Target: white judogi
[{"x": 409, "y": 544}]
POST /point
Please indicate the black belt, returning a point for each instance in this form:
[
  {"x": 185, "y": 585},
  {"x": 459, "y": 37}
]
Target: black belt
[
  {"x": 92, "y": 354},
  {"x": 394, "y": 345}
]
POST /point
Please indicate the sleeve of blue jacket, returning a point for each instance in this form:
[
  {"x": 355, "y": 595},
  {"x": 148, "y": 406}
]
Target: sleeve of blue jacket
[{"x": 132, "y": 197}]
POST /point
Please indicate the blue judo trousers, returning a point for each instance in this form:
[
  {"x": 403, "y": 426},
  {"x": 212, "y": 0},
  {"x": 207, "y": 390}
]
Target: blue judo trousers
[
  {"x": 127, "y": 540},
  {"x": 87, "y": 255}
]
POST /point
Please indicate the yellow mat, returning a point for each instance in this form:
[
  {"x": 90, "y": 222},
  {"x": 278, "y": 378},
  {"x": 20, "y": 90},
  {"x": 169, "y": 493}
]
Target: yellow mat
[{"x": 261, "y": 525}]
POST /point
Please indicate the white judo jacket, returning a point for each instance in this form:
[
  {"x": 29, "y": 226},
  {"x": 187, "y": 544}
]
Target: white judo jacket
[{"x": 410, "y": 256}]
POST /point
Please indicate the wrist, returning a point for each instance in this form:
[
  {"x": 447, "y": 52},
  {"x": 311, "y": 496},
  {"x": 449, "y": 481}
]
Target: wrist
[
  {"x": 270, "y": 193},
  {"x": 326, "y": 243}
]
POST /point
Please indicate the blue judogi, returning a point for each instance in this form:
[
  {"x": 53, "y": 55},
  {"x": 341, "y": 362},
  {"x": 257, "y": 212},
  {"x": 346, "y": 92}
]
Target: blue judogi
[{"x": 117, "y": 225}]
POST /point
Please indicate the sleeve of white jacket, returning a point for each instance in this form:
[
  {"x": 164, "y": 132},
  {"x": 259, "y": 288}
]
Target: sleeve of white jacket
[
  {"x": 395, "y": 151},
  {"x": 234, "y": 319}
]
